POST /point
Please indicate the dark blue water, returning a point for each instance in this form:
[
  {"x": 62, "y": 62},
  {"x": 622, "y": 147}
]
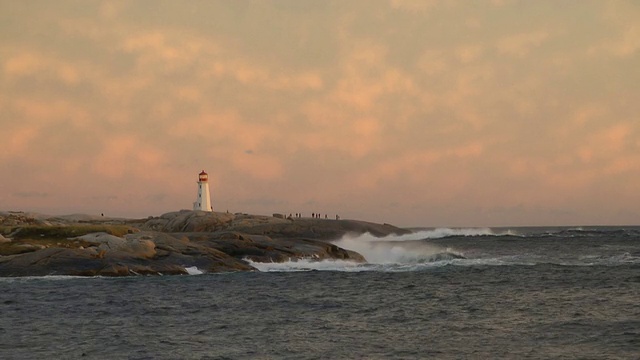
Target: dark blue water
[{"x": 567, "y": 295}]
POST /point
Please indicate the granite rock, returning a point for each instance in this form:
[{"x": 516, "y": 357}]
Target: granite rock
[{"x": 171, "y": 243}]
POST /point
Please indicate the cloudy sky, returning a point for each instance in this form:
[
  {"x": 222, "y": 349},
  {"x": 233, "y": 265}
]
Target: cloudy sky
[{"x": 427, "y": 112}]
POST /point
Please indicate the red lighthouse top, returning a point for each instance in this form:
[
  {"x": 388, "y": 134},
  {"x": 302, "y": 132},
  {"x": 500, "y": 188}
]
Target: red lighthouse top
[{"x": 203, "y": 176}]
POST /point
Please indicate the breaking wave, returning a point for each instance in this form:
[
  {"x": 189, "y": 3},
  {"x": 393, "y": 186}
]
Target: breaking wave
[
  {"x": 404, "y": 249},
  {"x": 392, "y": 253},
  {"x": 439, "y": 233}
]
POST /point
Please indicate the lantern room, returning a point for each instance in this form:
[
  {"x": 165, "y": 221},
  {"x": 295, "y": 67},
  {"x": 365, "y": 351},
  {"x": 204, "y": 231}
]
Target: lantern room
[{"x": 203, "y": 176}]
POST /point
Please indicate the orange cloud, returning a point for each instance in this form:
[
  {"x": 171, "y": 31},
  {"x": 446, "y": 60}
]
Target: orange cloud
[
  {"x": 366, "y": 77},
  {"x": 624, "y": 39},
  {"x": 18, "y": 140},
  {"x": 469, "y": 53},
  {"x": 623, "y": 164},
  {"x": 23, "y": 64},
  {"x": 160, "y": 49},
  {"x": 433, "y": 62},
  {"x": 127, "y": 155},
  {"x": 55, "y": 110},
  {"x": 258, "y": 166},
  {"x": 390, "y": 98},
  {"x": 615, "y": 136},
  {"x": 520, "y": 45},
  {"x": 416, "y": 166},
  {"x": 413, "y": 5},
  {"x": 605, "y": 144},
  {"x": 629, "y": 43}
]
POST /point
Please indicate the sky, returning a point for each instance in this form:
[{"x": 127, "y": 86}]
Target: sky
[{"x": 414, "y": 113}]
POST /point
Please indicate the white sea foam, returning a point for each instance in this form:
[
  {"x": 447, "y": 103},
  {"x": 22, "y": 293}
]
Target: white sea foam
[
  {"x": 350, "y": 266},
  {"x": 193, "y": 270},
  {"x": 391, "y": 253},
  {"x": 308, "y": 265},
  {"x": 439, "y": 233}
]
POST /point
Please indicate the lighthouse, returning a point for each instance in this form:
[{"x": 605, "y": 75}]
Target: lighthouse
[{"x": 203, "y": 202}]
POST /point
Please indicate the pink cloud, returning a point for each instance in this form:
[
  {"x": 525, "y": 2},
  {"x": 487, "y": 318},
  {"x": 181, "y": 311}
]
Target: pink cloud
[
  {"x": 25, "y": 63},
  {"x": 258, "y": 166},
  {"x": 18, "y": 140},
  {"x": 416, "y": 166},
  {"x": 127, "y": 155},
  {"x": 366, "y": 77},
  {"x": 392, "y": 100}
]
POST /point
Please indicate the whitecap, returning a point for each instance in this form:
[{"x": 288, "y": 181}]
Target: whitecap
[{"x": 307, "y": 265}]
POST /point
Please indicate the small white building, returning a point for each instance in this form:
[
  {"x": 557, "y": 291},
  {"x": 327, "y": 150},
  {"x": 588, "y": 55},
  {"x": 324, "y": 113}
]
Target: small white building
[{"x": 203, "y": 202}]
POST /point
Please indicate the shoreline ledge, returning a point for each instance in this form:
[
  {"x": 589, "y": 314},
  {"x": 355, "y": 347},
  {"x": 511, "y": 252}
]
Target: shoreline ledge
[{"x": 83, "y": 245}]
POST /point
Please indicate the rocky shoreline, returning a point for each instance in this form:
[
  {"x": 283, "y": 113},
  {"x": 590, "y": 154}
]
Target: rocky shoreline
[{"x": 171, "y": 244}]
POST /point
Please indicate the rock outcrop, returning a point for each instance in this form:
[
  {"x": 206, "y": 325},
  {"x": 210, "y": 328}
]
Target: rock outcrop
[
  {"x": 260, "y": 248},
  {"x": 107, "y": 244},
  {"x": 272, "y": 226},
  {"x": 169, "y": 244}
]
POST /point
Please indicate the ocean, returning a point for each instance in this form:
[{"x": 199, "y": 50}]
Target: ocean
[{"x": 492, "y": 293}]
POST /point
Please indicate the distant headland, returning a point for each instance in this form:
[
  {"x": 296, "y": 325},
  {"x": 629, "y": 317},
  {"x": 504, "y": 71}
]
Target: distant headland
[{"x": 173, "y": 243}]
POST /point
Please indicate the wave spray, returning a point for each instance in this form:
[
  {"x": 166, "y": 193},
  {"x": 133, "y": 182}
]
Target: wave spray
[{"x": 408, "y": 252}]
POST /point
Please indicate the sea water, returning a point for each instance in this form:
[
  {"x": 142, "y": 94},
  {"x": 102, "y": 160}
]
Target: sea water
[{"x": 568, "y": 293}]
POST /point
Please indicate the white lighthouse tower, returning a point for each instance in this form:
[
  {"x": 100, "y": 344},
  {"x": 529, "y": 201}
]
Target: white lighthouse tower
[{"x": 203, "y": 202}]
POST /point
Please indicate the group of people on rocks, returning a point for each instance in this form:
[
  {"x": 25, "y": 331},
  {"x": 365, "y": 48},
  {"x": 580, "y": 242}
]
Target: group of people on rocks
[{"x": 313, "y": 215}]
